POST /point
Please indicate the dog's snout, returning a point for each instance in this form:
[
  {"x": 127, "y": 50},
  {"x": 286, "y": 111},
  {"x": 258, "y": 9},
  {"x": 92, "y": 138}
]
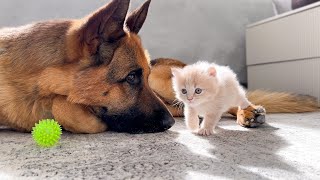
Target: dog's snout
[
  {"x": 163, "y": 119},
  {"x": 134, "y": 121},
  {"x": 151, "y": 116},
  {"x": 167, "y": 122}
]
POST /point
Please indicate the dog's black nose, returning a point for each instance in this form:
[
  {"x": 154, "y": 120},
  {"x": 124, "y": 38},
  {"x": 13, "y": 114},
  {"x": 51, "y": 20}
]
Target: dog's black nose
[{"x": 167, "y": 122}]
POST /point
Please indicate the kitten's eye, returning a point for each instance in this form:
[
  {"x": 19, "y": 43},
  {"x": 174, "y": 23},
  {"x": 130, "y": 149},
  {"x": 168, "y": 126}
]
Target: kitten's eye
[
  {"x": 198, "y": 91},
  {"x": 184, "y": 91}
]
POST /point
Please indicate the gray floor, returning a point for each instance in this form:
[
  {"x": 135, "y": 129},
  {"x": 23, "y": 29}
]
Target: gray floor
[{"x": 287, "y": 147}]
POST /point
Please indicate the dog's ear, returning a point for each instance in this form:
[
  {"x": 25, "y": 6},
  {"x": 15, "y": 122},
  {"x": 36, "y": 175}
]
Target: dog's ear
[
  {"x": 137, "y": 18},
  {"x": 106, "y": 24}
]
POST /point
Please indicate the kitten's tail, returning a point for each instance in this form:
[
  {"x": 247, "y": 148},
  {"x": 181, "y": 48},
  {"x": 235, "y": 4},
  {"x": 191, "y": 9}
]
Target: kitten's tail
[{"x": 283, "y": 102}]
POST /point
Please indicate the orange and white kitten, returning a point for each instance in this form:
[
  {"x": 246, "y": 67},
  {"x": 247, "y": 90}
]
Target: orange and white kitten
[{"x": 207, "y": 90}]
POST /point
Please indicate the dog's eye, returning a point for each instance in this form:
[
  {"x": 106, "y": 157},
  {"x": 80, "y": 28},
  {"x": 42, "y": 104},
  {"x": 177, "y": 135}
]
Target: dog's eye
[
  {"x": 184, "y": 91},
  {"x": 198, "y": 91},
  {"x": 133, "y": 78}
]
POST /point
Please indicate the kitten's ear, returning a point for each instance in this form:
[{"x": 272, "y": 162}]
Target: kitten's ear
[
  {"x": 212, "y": 71},
  {"x": 176, "y": 72}
]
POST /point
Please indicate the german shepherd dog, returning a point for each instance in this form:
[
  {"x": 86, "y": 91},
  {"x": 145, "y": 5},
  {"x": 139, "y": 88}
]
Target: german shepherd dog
[{"x": 89, "y": 74}]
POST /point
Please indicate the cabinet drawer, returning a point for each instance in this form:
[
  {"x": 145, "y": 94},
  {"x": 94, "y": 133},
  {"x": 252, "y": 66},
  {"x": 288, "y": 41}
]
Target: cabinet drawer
[
  {"x": 295, "y": 36},
  {"x": 301, "y": 77}
]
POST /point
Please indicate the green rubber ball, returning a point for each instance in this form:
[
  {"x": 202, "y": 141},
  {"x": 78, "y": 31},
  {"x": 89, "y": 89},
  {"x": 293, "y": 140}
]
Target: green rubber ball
[{"x": 46, "y": 133}]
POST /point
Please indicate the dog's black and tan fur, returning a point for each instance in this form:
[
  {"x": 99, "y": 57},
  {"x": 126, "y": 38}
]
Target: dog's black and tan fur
[{"x": 85, "y": 73}]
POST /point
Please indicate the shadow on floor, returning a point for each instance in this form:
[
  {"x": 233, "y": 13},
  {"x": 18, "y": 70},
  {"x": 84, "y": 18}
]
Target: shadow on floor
[{"x": 175, "y": 154}]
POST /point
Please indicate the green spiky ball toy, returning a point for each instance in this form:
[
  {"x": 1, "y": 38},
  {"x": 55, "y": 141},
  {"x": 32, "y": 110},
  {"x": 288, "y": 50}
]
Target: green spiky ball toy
[{"x": 46, "y": 133}]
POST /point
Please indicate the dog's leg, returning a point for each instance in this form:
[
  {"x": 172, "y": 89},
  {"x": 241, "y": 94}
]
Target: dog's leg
[
  {"x": 56, "y": 80},
  {"x": 75, "y": 117},
  {"x": 175, "y": 110},
  {"x": 233, "y": 111}
]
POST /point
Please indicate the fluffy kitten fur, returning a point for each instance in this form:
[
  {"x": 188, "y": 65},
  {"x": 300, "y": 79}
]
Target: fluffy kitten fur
[{"x": 207, "y": 90}]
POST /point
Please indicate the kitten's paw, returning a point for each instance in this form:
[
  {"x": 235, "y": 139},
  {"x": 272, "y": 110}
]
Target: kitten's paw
[
  {"x": 251, "y": 117},
  {"x": 205, "y": 132}
]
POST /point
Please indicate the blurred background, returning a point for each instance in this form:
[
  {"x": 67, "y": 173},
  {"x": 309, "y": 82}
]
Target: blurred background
[{"x": 189, "y": 30}]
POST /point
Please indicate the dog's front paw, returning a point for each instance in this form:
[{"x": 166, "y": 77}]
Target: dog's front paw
[
  {"x": 251, "y": 117},
  {"x": 205, "y": 131}
]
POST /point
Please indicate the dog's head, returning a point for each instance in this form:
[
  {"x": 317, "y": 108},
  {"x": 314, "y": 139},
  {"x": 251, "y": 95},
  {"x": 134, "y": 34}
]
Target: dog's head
[{"x": 113, "y": 79}]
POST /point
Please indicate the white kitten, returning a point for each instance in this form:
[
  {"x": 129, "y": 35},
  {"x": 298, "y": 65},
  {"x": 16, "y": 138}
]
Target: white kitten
[{"x": 207, "y": 90}]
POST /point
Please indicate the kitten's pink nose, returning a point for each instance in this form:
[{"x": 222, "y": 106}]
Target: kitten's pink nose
[{"x": 190, "y": 98}]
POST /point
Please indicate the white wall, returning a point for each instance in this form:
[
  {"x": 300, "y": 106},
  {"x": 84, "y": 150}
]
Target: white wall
[{"x": 185, "y": 29}]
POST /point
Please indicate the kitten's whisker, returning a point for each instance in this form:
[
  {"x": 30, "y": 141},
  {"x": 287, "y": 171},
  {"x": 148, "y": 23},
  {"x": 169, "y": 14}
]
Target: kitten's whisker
[
  {"x": 176, "y": 102},
  {"x": 180, "y": 106}
]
